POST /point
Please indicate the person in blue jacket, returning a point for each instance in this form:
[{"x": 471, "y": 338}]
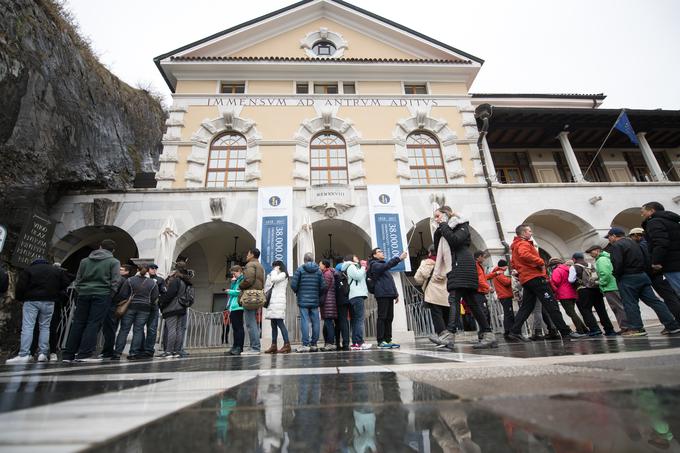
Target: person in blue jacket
[{"x": 386, "y": 294}]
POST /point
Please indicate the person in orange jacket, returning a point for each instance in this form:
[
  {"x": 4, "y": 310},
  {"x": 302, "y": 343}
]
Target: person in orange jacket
[
  {"x": 531, "y": 269},
  {"x": 484, "y": 288},
  {"x": 502, "y": 284}
]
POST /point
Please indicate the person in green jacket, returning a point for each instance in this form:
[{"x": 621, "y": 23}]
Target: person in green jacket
[
  {"x": 236, "y": 310},
  {"x": 605, "y": 272}
]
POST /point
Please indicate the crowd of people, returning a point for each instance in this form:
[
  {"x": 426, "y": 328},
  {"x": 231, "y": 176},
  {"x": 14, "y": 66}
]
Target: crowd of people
[{"x": 114, "y": 299}]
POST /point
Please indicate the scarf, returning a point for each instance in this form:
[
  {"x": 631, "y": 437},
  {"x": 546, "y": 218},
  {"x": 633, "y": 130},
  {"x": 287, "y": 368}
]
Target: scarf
[{"x": 444, "y": 262}]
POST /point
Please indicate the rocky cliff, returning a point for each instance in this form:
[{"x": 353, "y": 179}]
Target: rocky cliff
[{"x": 66, "y": 122}]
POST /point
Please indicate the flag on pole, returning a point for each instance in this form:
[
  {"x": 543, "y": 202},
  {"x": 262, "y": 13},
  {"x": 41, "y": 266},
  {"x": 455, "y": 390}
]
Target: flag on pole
[{"x": 623, "y": 124}]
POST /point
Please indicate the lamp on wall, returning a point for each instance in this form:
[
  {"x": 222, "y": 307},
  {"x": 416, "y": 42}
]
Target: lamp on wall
[
  {"x": 595, "y": 199},
  {"x": 330, "y": 253},
  {"x": 234, "y": 258}
]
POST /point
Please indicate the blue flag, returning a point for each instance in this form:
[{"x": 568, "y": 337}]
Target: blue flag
[{"x": 623, "y": 124}]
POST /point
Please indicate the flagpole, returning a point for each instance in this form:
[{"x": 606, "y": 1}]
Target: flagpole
[{"x": 605, "y": 141}]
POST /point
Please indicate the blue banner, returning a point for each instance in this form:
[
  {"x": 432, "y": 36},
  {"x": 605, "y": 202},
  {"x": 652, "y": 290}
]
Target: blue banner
[
  {"x": 389, "y": 238},
  {"x": 623, "y": 125},
  {"x": 274, "y": 241}
]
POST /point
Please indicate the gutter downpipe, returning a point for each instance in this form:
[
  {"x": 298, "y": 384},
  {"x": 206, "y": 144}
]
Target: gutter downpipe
[{"x": 483, "y": 112}]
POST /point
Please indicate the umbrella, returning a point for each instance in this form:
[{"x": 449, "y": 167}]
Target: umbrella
[
  {"x": 305, "y": 241},
  {"x": 166, "y": 248}
]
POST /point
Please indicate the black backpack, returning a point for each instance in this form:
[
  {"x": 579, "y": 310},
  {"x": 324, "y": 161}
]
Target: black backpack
[
  {"x": 342, "y": 284},
  {"x": 370, "y": 281},
  {"x": 187, "y": 297}
]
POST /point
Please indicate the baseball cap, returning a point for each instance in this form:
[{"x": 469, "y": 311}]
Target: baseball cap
[
  {"x": 636, "y": 231},
  {"x": 616, "y": 231},
  {"x": 153, "y": 266}
]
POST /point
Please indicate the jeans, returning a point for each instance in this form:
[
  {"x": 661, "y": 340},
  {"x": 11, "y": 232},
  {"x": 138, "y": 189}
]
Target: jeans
[
  {"x": 343, "y": 323},
  {"x": 307, "y": 315},
  {"x": 40, "y": 311},
  {"x": 236, "y": 322},
  {"x": 250, "y": 317},
  {"x": 638, "y": 286},
  {"x": 473, "y": 303},
  {"x": 674, "y": 279},
  {"x": 151, "y": 331},
  {"x": 278, "y": 324},
  {"x": 539, "y": 316},
  {"x": 385, "y": 317},
  {"x": 109, "y": 328},
  {"x": 614, "y": 300},
  {"x": 537, "y": 289},
  {"x": 87, "y": 320},
  {"x": 356, "y": 306},
  {"x": 173, "y": 326},
  {"x": 667, "y": 293},
  {"x": 439, "y": 315},
  {"x": 136, "y": 320},
  {"x": 508, "y": 314},
  {"x": 569, "y": 307}
]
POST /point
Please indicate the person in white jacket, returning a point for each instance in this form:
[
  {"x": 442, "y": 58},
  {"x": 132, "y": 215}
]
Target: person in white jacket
[{"x": 277, "y": 281}]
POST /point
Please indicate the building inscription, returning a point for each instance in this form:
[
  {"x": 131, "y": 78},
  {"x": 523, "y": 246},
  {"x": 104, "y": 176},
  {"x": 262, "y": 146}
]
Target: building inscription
[{"x": 311, "y": 102}]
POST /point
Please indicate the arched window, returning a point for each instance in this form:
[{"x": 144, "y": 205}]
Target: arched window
[
  {"x": 227, "y": 161},
  {"x": 323, "y": 49},
  {"x": 328, "y": 159},
  {"x": 425, "y": 159}
]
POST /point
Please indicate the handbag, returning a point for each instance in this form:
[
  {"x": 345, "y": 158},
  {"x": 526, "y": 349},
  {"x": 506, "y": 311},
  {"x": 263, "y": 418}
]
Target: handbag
[
  {"x": 268, "y": 297},
  {"x": 123, "y": 305},
  {"x": 252, "y": 299}
]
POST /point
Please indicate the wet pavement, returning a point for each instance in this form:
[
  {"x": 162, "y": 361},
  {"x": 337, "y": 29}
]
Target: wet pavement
[{"x": 594, "y": 395}]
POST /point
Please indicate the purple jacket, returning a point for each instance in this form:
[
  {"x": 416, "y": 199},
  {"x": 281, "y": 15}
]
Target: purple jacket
[
  {"x": 559, "y": 280},
  {"x": 329, "y": 308}
]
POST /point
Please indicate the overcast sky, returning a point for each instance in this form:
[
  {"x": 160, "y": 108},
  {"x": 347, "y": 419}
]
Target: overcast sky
[{"x": 626, "y": 49}]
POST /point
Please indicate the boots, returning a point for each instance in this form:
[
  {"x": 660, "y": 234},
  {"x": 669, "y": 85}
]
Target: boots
[
  {"x": 285, "y": 349},
  {"x": 271, "y": 350},
  {"x": 537, "y": 336},
  {"x": 488, "y": 341},
  {"x": 553, "y": 334},
  {"x": 443, "y": 339}
]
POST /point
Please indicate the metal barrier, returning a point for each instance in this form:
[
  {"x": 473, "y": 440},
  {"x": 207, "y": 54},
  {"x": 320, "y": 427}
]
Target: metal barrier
[{"x": 418, "y": 318}]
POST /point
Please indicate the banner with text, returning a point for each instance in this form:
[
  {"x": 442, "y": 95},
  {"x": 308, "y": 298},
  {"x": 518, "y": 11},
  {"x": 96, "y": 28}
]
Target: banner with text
[
  {"x": 387, "y": 222},
  {"x": 274, "y": 225}
]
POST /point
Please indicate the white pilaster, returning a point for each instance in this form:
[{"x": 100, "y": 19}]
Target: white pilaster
[
  {"x": 571, "y": 157},
  {"x": 488, "y": 160},
  {"x": 650, "y": 159}
]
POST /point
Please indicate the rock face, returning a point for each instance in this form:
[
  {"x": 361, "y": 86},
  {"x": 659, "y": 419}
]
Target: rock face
[{"x": 66, "y": 122}]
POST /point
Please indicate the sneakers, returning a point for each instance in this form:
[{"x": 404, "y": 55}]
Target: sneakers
[
  {"x": 313, "y": 349},
  {"x": 576, "y": 336},
  {"x": 595, "y": 333},
  {"x": 302, "y": 349},
  {"x": 384, "y": 345},
  {"x": 673, "y": 331},
  {"x": 19, "y": 360},
  {"x": 394, "y": 345},
  {"x": 442, "y": 339},
  {"x": 330, "y": 347},
  {"x": 234, "y": 352},
  {"x": 42, "y": 358},
  {"x": 634, "y": 333},
  {"x": 250, "y": 352},
  {"x": 366, "y": 346},
  {"x": 165, "y": 355},
  {"x": 611, "y": 334},
  {"x": 53, "y": 357},
  {"x": 355, "y": 347},
  {"x": 488, "y": 341},
  {"x": 554, "y": 335}
]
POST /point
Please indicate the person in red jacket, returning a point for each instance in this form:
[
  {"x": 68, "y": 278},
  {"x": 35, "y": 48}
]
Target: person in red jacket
[
  {"x": 502, "y": 284},
  {"x": 531, "y": 269},
  {"x": 484, "y": 287}
]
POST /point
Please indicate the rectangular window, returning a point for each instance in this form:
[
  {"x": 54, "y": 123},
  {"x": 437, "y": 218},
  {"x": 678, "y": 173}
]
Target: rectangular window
[
  {"x": 233, "y": 87},
  {"x": 512, "y": 167},
  {"x": 562, "y": 167},
  {"x": 326, "y": 88},
  {"x": 302, "y": 88},
  {"x": 641, "y": 172},
  {"x": 415, "y": 88},
  {"x": 348, "y": 88},
  {"x": 588, "y": 159}
]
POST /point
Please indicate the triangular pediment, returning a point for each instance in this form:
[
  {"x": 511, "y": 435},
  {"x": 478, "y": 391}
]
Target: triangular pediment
[{"x": 281, "y": 34}]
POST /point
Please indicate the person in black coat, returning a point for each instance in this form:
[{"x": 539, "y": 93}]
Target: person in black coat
[
  {"x": 38, "y": 287},
  {"x": 4, "y": 282},
  {"x": 662, "y": 232},
  {"x": 462, "y": 280},
  {"x": 386, "y": 294}
]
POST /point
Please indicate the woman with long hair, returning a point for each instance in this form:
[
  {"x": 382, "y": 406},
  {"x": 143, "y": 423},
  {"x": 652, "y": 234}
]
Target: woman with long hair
[{"x": 277, "y": 281}]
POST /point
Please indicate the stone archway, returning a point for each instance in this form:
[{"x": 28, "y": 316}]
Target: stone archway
[
  {"x": 78, "y": 244},
  {"x": 209, "y": 248},
  {"x": 561, "y": 233},
  {"x": 346, "y": 238},
  {"x": 627, "y": 219}
]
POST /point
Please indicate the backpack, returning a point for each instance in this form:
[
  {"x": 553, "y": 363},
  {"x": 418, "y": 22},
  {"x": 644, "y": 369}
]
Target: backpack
[
  {"x": 588, "y": 278},
  {"x": 370, "y": 281},
  {"x": 187, "y": 297},
  {"x": 342, "y": 284}
]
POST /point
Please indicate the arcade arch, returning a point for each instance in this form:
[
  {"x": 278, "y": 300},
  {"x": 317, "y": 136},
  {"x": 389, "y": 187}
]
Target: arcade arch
[
  {"x": 210, "y": 248},
  {"x": 78, "y": 244},
  {"x": 627, "y": 219},
  {"x": 345, "y": 238},
  {"x": 560, "y": 233}
]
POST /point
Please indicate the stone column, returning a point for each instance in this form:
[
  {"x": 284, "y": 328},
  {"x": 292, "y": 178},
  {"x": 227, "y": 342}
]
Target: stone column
[
  {"x": 571, "y": 157},
  {"x": 650, "y": 159},
  {"x": 488, "y": 160}
]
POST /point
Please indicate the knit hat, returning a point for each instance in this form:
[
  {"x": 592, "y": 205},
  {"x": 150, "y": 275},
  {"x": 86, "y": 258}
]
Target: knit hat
[
  {"x": 555, "y": 261},
  {"x": 578, "y": 256},
  {"x": 593, "y": 247}
]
